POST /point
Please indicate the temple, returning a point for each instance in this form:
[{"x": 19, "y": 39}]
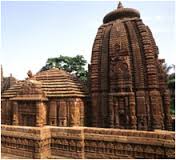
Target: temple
[
  {"x": 128, "y": 84},
  {"x": 52, "y": 97},
  {"x": 123, "y": 112}
]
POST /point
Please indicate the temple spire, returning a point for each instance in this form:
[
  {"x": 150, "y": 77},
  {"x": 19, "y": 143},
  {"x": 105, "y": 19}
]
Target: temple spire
[{"x": 119, "y": 5}]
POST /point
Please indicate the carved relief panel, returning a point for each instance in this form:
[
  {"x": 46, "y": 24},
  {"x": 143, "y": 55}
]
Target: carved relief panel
[
  {"x": 74, "y": 113},
  {"x": 120, "y": 70},
  {"x": 119, "y": 112}
]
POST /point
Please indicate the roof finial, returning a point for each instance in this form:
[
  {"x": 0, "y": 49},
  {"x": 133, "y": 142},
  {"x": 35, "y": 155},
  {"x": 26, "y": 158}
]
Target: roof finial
[
  {"x": 120, "y": 5},
  {"x": 29, "y": 73}
]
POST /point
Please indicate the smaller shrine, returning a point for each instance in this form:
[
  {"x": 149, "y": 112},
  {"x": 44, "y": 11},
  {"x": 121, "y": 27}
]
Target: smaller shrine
[{"x": 52, "y": 97}]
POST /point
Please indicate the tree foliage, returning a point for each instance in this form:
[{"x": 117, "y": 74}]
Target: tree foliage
[
  {"x": 74, "y": 65},
  {"x": 170, "y": 72}
]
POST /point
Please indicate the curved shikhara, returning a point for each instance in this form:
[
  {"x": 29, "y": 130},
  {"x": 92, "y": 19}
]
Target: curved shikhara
[{"x": 128, "y": 85}]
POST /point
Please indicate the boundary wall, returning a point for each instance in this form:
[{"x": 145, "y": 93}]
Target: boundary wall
[{"x": 86, "y": 142}]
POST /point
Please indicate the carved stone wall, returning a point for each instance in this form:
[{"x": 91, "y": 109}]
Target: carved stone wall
[
  {"x": 82, "y": 142},
  {"x": 67, "y": 142},
  {"x": 6, "y": 111},
  {"x": 23, "y": 112},
  {"x": 67, "y": 112},
  {"x": 29, "y": 142},
  {"x": 56, "y": 112},
  {"x": 119, "y": 143}
]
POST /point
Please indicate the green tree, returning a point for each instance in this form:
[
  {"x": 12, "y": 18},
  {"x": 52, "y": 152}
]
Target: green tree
[
  {"x": 74, "y": 65},
  {"x": 170, "y": 73}
]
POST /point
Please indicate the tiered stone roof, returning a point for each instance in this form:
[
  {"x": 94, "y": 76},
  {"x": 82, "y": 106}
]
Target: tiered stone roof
[
  {"x": 12, "y": 91},
  {"x": 55, "y": 83}
]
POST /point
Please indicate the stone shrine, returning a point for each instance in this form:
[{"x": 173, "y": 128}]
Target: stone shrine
[
  {"x": 128, "y": 85},
  {"x": 52, "y": 97}
]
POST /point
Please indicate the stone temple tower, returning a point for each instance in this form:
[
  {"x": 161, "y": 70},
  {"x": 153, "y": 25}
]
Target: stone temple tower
[{"x": 127, "y": 83}]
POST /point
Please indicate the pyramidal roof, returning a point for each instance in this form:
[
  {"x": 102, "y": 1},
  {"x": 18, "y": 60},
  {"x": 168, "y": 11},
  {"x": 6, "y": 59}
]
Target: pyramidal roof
[{"x": 55, "y": 83}]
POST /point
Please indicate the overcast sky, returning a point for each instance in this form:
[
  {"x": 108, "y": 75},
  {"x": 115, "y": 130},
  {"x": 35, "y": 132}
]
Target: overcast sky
[{"x": 31, "y": 32}]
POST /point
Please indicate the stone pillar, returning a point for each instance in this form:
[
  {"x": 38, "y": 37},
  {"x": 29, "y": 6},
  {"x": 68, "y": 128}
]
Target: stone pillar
[
  {"x": 77, "y": 112},
  {"x": 74, "y": 114},
  {"x": 103, "y": 110},
  {"x": 40, "y": 114},
  {"x": 116, "y": 113},
  {"x": 127, "y": 112},
  {"x": 132, "y": 105},
  {"x": 62, "y": 113},
  {"x": 111, "y": 112},
  {"x": 166, "y": 104},
  {"x": 82, "y": 117},
  {"x": 53, "y": 113},
  {"x": 122, "y": 112},
  {"x": 141, "y": 111},
  {"x": 95, "y": 100},
  {"x": 157, "y": 117},
  {"x": 15, "y": 113}
]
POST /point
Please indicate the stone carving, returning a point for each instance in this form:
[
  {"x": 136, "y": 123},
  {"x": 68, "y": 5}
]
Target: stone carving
[{"x": 30, "y": 87}]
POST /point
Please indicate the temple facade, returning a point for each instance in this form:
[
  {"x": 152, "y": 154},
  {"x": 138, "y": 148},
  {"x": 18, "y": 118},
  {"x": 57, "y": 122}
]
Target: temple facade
[
  {"x": 128, "y": 85},
  {"x": 52, "y": 97}
]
